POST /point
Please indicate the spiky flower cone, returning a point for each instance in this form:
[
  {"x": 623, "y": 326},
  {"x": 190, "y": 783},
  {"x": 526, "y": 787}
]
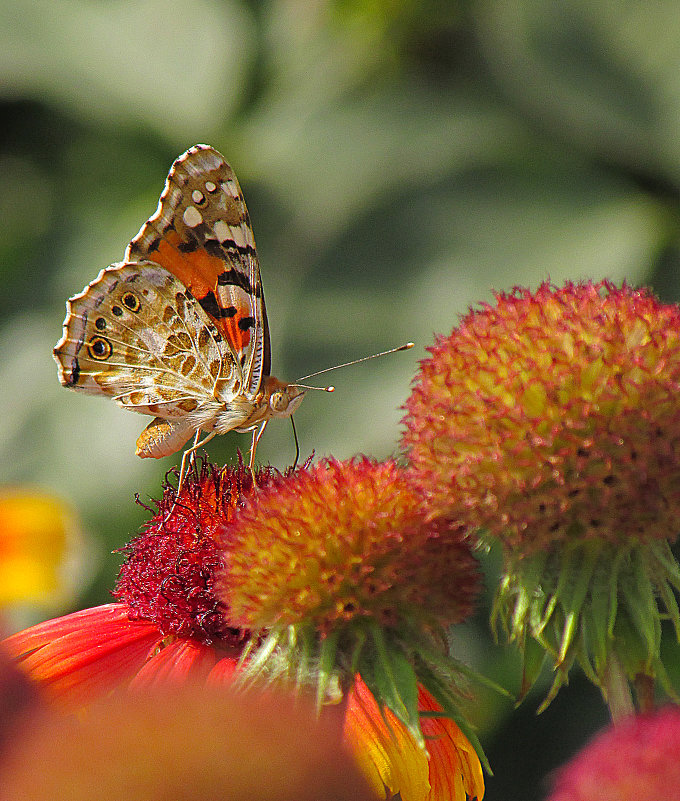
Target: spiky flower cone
[
  {"x": 550, "y": 422},
  {"x": 168, "y": 575},
  {"x": 338, "y": 565}
]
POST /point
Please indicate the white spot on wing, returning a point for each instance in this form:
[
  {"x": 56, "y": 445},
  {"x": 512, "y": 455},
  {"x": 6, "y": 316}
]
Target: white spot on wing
[
  {"x": 192, "y": 216},
  {"x": 238, "y": 237},
  {"x": 222, "y": 230}
]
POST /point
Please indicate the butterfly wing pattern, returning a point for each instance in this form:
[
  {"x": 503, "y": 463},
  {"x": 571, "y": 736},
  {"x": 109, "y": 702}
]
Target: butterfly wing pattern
[{"x": 178, "y": 330}]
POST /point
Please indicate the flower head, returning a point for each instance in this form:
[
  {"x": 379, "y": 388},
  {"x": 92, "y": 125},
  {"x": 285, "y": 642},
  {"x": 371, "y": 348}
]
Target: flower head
[
  {"x": 343, "y": 542},
  {"x": 169, "y": 572},
  {"x": 553, "y": 416},
  {"x": 636, "y": 760},
  {"x": 339, "y": 568},
  {"x": 549, "y": 423}
]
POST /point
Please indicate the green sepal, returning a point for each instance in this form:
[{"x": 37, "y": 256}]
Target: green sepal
[
  {"x": 327, "y": 666},
  {"x": 396, "y": 683},
  {"x": 532, "y": 569},
  {"x": 257, "y": 657},
  {"x": 574, "y": 593},
  {"x": 598, "y": 620},
  {"x": 533, "y": 658}
]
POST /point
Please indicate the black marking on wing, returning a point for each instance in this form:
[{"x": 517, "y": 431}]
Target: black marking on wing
[
  {"x": 72, "y": 380},
  {"x": 209, "y": 304},
  {"x": 189, "y": 246},
  {"x": 240, "y": 279}
]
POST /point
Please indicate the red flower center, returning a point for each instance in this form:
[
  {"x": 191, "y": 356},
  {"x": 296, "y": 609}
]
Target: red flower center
[{"x": 168, "y": 575}]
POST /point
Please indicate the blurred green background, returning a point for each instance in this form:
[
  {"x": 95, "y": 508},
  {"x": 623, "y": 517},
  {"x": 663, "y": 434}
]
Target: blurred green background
[{"x": 400, "y": 160}]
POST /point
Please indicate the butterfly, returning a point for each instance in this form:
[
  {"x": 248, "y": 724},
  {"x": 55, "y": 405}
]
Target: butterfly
[{"x": 178, "y": 329}]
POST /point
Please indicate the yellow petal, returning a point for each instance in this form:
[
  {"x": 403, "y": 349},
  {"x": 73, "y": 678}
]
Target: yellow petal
[
  {"x": 392, "y": 761},
  {"x": 387, "y": 755},
  {"x": 37, "y": 533}
]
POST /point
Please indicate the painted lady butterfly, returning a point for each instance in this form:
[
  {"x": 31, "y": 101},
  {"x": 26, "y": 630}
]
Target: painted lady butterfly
[{"x": 178, "y": 330}]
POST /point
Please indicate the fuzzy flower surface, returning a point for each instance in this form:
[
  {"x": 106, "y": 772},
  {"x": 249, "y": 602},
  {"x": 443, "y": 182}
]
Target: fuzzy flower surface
[
  {"x": 170, "y": 628},
  {"x": 636, "y": 760},
  {"x": 549, "y": 423},
  {"x": 341, "y": 542},
  {"x": 553, "y": 416},
  {"x": 169, "y": 572}
]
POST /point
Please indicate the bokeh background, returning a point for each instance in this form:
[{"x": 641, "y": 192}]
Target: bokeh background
[{"x": 401, "y": 159}]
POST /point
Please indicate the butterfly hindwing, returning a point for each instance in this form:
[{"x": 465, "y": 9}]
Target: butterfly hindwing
[
  {"x": 137, "y": 335},
  {"x": 201, "y": 233}
]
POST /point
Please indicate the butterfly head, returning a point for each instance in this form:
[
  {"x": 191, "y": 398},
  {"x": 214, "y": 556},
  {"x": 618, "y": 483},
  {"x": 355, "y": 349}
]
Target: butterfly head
[{"x": 283, "y": 399}]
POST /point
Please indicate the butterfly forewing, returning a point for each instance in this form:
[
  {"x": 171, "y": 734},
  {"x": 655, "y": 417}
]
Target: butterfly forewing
[{"x": 201, "y": 233}]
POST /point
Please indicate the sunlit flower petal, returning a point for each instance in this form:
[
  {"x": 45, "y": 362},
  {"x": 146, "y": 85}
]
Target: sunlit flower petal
[
  {"x": 394, "y": 764},
  {"x": 80, "y": 656}
]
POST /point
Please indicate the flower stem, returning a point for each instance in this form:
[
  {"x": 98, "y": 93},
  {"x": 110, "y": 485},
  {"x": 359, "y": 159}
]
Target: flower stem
[
  {"x": 644, "y": 692},
  {"x": 617, "y": 690}
]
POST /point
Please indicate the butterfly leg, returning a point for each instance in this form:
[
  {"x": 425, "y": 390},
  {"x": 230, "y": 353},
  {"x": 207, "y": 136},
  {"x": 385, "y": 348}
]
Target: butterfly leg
[
  {"x": 188, "y": 455},
  {"x": 257, "y": 433},
  {"x": 192, "y": 455},
  {"x": 297, "y": 444}
]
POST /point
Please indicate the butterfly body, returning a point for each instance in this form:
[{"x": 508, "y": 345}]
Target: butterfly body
[{"x": 178, "y": 330}]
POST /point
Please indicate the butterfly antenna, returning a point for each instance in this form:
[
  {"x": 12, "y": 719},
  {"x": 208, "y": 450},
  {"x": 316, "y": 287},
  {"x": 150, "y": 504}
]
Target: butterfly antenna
[
  {"x": 407, "y": 346},
  {"x": 309, "y": 386}
]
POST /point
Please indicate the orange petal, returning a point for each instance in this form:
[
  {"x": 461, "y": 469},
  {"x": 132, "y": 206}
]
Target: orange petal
[
  {"x": 454, "y": 765},
  {"x": 80, "y": 656},
  {"x": 179, "y": 662},
  {"x": 392, "y": 761},
  {"x": 386, "y": 753}
]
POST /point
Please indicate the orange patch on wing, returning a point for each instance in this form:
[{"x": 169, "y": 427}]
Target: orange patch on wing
[
  {"x": 198, "y": 270},
  {"x": 235, "y": 336}
]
